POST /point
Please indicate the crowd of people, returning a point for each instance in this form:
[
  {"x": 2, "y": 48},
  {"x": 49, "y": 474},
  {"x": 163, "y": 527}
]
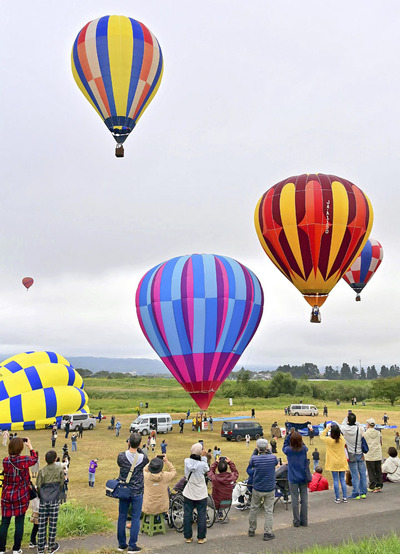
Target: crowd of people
[{"x": 349, "y": 449}]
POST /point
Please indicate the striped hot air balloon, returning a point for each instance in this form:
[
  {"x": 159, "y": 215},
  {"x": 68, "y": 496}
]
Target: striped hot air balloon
[
  {"x": 199, "y": 313},
  {"x": 27, "y": 282},
  {"x": 364, "y": 267},
  {"x": 118, "y": 65},
  {"x": 36, "y": 389},
  {"x": 313, "y": 227}
]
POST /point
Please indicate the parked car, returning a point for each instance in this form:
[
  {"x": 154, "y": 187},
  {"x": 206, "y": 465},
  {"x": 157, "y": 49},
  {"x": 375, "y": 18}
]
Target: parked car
[
  {"x": 88, "y": 421},
  {"x": 143, "y": 424},
  {"x": 303, "y": 410},
  {"x": 237, "y": 430}
]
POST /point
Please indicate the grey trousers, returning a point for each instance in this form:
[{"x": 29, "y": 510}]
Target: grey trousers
[
  {"x": 302, "y": 491},
  {"x": 256, "y": 498}
]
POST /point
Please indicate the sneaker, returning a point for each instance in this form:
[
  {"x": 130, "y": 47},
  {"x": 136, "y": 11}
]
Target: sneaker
[
  {"x": 363, "y": 496},
  {"x": 251, "y": 533},
  {"x": 371, "y": 490},
  {"x": 344, "y": 500},
  {"x": 201, "y": 541},
  {"x": 132, "y": 550},
  {"x": 268, "y": 536},
  {"x": 122, "y": 548},
  {"x": 189, "y": 540},
  {"x": 55, "y": 548},
  {"x": 352, "y": 496},
  {"x": 17, "y": 551},
  {"x": 32, "y": 545},
  {"x": 337, "y": 500},
  {"x": 377, "y": 490}
]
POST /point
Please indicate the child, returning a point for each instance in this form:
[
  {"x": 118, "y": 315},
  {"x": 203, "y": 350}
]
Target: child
[
  {"x": 74, "y": 439},
  {"x": 92, "y": 471},
  {"x": 34, "y": 504},
  {"x": 50, "y": 482}
]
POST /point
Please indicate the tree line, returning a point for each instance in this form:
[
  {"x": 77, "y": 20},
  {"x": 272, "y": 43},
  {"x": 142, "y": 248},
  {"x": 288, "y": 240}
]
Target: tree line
[
  {"x": 283, "y": 383},
  {"x": 345, "y": 373}
]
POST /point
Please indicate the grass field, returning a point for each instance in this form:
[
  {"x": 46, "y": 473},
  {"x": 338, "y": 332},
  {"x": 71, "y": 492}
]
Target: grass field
[{"x": 118, "y": 398}]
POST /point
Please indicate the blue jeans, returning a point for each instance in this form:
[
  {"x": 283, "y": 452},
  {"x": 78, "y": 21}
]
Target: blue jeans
[
  {"x": 299, "y": 491},
  {"x": 188, "y": 507},
  {"x": 316, "y": 464},
  {"x": 136, "y": 503},
  {"x": 358, "y": 475},
  {"x": 339, "y": 476},
  {"x": 73, "y": 446},
  {"x": 91, "y": 477}
]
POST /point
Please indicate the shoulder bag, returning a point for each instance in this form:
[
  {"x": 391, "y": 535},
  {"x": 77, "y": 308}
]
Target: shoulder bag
[{"x": 118, "y": 488}]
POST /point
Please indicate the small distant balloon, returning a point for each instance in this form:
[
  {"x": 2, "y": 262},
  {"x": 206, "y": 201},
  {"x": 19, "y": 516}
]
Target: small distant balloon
[
  {"x": 364, "y": 267},
  {"x": 27, "y": 282}
]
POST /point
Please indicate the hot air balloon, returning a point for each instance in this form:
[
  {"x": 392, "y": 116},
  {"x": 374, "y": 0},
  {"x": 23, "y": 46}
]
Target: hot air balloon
[
  {"x": 364, "y": 267},
  {"x": 313, "y": 227},
  {"x": 118, "y": 65},
  {"x": 37, "y": 389},
  {"x": 27, "y": 282},
  {"x": 199, "y": 313}
]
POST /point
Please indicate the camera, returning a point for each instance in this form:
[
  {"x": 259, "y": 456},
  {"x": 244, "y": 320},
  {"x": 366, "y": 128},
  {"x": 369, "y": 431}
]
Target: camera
[
  {"x": 25, "y": 440},
  {"x": 161, "y": 456}
]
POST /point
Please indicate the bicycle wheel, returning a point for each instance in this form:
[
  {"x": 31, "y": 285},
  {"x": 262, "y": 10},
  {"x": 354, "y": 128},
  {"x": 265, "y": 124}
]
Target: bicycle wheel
[
  {"x": 176, "y": 512},
  {"x": 210, "y": 512}
]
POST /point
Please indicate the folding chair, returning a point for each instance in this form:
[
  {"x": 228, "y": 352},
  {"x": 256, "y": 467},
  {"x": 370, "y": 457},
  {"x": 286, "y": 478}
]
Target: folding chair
[
  {"x": 223, "y": 511},
  {"x": 282, "y": 492}
]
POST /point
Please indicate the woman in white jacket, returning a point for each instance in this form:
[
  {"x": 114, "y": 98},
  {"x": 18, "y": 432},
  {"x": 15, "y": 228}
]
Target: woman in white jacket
[
  {"x": 391, "y": 466},
  {"x": 195, "y": 493}
]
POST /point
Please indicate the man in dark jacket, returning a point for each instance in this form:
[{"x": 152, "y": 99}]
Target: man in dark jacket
[
  {"x": 131, "y": 464},
  {"x": 262, "y": 469},
  {"x": 224, "y": 481}
]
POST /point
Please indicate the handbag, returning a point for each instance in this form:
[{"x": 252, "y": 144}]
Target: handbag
[
  {"x": 118, "y": 488},
  {"x": 364, "y": 446},
  {"x": 32, "y": 491},
  {"x": 308, "y": 472}
]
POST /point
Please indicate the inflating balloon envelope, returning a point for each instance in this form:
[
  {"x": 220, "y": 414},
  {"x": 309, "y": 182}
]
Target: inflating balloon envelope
[
  {"x": 37, "y": 389},
  {"x": 199, "y": 313},
  {"x": 312, "y": 227}
]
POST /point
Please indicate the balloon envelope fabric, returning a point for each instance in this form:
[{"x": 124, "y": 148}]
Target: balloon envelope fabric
[
  {"x": 199, "y": 313},
  {"x": 36, "y": 389},
  {"x": 312, "y": 227},
  {"x": 118, "y": 65},
  {"x": 364, "y": 267}
]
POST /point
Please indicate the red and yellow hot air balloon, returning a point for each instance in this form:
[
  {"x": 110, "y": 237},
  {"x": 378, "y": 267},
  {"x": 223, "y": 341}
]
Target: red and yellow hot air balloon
[{"x": 312, "y": 227}]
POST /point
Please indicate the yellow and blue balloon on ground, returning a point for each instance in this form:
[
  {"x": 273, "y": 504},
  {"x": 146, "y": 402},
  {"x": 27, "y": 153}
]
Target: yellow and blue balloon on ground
[{"x": 37, "y": 389}]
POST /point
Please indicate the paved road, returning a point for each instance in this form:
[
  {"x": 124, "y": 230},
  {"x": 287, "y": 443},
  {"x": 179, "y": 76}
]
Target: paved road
[{"x": 329, "y": 523}]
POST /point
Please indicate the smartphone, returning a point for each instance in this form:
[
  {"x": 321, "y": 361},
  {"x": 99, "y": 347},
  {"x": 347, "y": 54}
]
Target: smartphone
[{"x": 161, "y": 456}]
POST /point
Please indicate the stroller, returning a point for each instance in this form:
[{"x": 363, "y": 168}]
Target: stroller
[{"x": 241, "y": 496}]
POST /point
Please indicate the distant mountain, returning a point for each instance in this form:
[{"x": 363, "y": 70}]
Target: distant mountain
[{"x": 142, "y": 366}]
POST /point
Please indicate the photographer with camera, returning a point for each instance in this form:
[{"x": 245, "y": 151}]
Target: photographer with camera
[
  {"x": 223, "y": 482},
  {"x": 195, "y": 493},
  {"x": 156, "y": 481}
]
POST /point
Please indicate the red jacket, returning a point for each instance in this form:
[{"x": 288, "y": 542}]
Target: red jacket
[
  {"x": 16, "y": 484},
  {"x": 318, "y": 483},
  {"x": 222, "y": 483}
]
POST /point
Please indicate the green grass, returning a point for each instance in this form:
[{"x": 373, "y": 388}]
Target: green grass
[
  {"x": 76, "y": 521},
  {"x": 372, "y": 545}
]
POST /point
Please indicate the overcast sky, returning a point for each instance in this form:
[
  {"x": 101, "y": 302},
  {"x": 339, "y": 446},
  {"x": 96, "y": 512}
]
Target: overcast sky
[{"x": 252, "y": 93}]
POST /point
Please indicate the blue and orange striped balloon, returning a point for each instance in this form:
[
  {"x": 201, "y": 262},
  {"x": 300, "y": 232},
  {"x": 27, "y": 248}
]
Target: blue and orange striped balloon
[
  {"x": 117, "y": 64},
  {"x": 199, "y": 313},
  {"x": 37, "y": 389}
]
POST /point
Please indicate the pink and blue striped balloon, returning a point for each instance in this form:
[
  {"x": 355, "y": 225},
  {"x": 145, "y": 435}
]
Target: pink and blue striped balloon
[{"x": 199, "y": 313}]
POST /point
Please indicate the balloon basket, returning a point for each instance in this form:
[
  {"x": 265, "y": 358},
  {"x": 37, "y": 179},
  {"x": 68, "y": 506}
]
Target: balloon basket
[
  {"x": 358, "y": 298},
  {"x": 119, "y": 151},
  {"x": 315, "y": 315}
]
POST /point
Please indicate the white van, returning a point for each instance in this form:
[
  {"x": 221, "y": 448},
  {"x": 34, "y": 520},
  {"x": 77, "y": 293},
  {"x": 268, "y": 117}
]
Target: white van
[
  {"x": 88, "y": 421},
  {"x": 303, "y": 410},
  {"x": 143, "y": 424}
]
